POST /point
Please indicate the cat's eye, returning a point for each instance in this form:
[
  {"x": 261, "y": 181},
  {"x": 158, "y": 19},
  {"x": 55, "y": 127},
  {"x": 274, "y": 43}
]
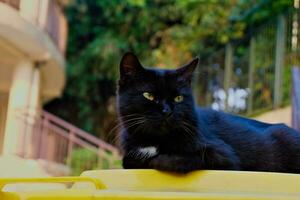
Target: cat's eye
[
  {"x": 148, "y": 96},
  {"x": 178, "y": 99}
]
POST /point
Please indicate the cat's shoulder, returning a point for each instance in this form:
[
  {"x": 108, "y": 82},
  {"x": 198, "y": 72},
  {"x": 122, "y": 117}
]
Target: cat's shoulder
[
  {"x": 213, "y": 116},
  {"x": 210, "y": 114}
]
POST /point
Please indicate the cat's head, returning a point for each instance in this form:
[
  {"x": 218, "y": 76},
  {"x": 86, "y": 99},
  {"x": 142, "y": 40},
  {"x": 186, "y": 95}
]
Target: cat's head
[{"x": 155, "y": 100}]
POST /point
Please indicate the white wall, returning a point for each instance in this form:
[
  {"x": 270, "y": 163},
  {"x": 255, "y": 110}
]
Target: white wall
[{"x": 282, "y": 115}]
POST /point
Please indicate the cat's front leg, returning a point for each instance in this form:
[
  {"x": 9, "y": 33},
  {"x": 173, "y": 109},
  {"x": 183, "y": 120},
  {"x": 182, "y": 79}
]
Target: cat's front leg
[
  {"x": 214, "y": 156},
  {"x": 220, "y": 156},
  {"x": 176, "y": 163},
  {"x": 139, "y": 158}
]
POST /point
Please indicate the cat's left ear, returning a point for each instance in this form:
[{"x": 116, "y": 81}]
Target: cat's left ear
[
  {"x": 186, "y": 71},
  {"x": 130, "y": 66}
]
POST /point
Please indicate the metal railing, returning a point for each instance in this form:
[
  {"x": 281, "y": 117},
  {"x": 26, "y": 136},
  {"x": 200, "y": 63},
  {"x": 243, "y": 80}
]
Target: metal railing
[
  {"x": 49, "y": 138},
  {"x": 253, "y": 74}
]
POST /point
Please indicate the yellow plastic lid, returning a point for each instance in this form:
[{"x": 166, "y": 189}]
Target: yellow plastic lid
[{"x": 152, "y": 184}]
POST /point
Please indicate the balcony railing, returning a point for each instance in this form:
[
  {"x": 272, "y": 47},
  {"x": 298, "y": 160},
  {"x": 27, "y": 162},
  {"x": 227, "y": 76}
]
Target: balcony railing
[
  {"x": 54, "y": 140},
  {"x": 47, "y": 15}
]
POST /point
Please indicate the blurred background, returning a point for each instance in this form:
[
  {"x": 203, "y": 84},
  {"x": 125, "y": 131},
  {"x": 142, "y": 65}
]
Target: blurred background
[{"x": 59, "y": 66}]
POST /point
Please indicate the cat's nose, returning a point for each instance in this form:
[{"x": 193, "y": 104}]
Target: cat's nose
[{"x": 167, "y": 111}]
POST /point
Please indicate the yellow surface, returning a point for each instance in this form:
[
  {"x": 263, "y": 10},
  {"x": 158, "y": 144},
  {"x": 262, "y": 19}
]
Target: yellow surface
[
  {"x": 97, "y": 183},
  {"x": 151, "y": 184}
]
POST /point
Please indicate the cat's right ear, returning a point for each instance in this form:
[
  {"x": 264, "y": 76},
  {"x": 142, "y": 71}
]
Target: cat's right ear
[
  {"x": 130, "y": 66},
  {"x": 186, "y": 71}
]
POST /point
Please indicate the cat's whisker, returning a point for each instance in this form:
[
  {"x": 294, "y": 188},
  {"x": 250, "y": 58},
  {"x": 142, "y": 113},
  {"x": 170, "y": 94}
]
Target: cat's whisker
[
  {"x": 133, "y": 115},
  {"x": 190, "y": 130},
  {"x": 189, "y": 125},
  {"x": 140, "y": 126},
  {"x": 194, "y": 128},
  {"x": 189, "y": 133},
  {"x": 119, "y": 124},
  {"x": 130, "y": 117},
  {"x": 203, "y": 153},
  {"x": 135, "y": 123}
]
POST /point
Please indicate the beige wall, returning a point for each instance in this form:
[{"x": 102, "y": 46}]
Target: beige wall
[
  {"x": 3, "y": 109},
  {"x": 282, "y": 115}
]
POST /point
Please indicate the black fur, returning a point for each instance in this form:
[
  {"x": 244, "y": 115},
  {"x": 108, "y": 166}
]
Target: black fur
[{"x": 194, "y": 138}]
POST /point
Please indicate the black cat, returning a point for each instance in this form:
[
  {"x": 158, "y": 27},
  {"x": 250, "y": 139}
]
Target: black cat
[{"x": 163, "y": 129}]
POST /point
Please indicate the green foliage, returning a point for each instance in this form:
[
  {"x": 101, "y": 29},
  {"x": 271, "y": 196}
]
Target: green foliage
[
  {"x": 258, "y": 12},
  {"x": 85, "y": 159}
]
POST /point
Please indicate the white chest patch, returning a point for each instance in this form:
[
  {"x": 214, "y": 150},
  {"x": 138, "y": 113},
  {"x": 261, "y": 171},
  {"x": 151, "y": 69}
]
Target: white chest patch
[{"x": 148, "y": 151}]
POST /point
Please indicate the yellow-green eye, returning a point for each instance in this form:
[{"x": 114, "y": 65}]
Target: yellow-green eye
[
  {"x": 148, "y": 96},
  {"x": 178, "y": 99}
]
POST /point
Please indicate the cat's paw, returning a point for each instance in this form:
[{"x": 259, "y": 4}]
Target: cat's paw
[
  {"x": 147, "y": 152},
  {"x": 143, "y": 153},
  {"x": 138, "y": 158},
  {"x": 173, "y": 163}
]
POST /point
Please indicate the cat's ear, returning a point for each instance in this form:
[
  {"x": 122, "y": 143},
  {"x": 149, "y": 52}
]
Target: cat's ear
[
  {"x": 130, "y": 66},
  {"x": 185, "y": 72}
]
